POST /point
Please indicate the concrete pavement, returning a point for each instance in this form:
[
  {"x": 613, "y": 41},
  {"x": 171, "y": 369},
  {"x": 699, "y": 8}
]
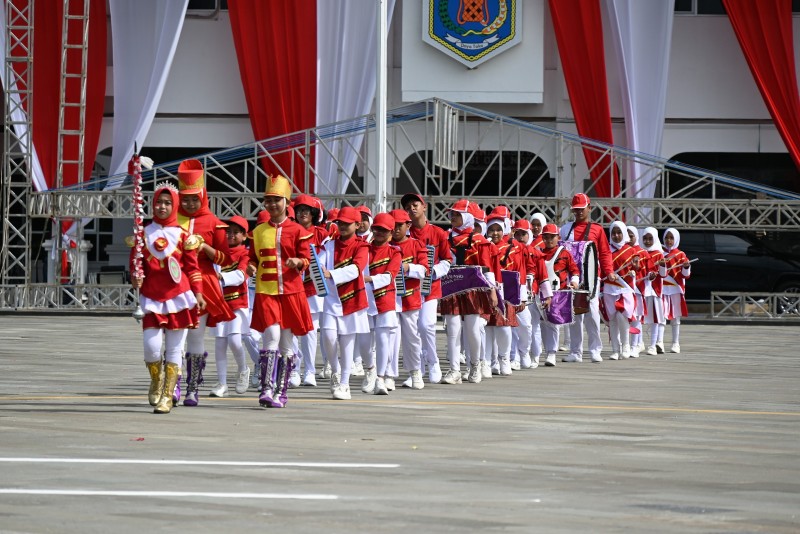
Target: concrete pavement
[{"x": 703, "y": 441}]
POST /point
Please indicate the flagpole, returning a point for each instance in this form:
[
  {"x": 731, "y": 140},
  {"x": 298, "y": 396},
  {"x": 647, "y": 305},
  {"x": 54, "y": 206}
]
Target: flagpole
[{"x": 380, "y": 107}]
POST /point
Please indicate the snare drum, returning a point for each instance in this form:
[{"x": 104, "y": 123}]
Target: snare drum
[
  {"x": 580, "y": 301},
  {"x": 561, "y": 310},
  {"x": 585, "y": 255}
]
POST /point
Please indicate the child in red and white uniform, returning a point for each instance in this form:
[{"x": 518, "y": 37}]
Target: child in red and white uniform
[
  {"x": 522, "y": 336},
  {"x": 170, "y": 294},
  {"x": 233, "y": 278},
  {"x": 513, "y": 256},
  {"x": 674, "y": 292},
  {"x": 384, "y": 263},
  {"x": 196, "y": 218},
  {"x": 538, "y": 222},
  {"x": 641, "y": 274},
  {"x": 429, "y": 235},
  {"x": 657, "y": 270},
  {"x": 331, "y": 226},
  {"x": 344, "y": 312},
  {"x": 471, "y": 308},
  {"x": 309, "y": 212},
  {"x": 582, "y": 229},
  {"x": 363, "y": 231},
  {"x": 619, "y": 300},
  {"x": 279, "y": 254},
  {"x": 562, "y": 273},
  {"x": 414, "y": 257}
]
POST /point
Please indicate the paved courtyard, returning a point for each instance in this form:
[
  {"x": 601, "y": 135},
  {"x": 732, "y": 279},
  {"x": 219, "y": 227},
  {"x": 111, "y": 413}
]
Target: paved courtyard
[{"x": 703, "y": 441}]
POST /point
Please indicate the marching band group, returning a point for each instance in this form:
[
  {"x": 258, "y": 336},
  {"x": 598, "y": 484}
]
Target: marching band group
[{"x": 373, "y": 285}]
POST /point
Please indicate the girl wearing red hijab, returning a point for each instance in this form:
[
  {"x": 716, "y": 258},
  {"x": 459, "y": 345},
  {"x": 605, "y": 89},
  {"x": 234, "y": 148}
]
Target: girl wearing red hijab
[
  {"x": 171, "y": 293},
  {"x": 195, "y": 217}
]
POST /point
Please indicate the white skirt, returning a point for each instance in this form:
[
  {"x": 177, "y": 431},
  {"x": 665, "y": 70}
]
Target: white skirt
[{"x": 353, "y": 323}]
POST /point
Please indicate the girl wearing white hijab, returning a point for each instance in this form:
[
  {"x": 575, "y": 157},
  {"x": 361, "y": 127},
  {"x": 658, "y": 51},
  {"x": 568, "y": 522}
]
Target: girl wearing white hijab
[
  {"x": 538, "y": 222},
  {"x": 678, "y": 271},
  {"x": 636, "y": 322},
  {"x": 618, "y": 296},
  {"x": 654, "y": 306}
]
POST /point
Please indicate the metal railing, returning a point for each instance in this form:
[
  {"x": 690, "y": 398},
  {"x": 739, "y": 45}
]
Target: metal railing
[
  {"x": 441, "y": 150},
  {"x": 741, "y": 305}
]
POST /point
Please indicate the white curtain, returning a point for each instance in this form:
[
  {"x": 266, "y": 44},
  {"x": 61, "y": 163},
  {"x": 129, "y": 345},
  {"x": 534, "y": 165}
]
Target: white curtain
[
  {"x": 642, "y": 35},
  {"x": 346, "y": 80},
  {"x": 18, "y": 114},
  {"x": 144, "y": 37}
]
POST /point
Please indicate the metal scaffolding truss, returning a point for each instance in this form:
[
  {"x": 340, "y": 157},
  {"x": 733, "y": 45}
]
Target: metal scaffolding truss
[
  {"x": 444, "y": 151},
  {"x": 17, "y": 140},
  {"x": 523, "y": 158}
]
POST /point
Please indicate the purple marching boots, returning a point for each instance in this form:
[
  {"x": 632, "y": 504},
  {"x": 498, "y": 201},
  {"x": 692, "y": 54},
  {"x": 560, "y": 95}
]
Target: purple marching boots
[
  {"x": 195, "y": 363},
  {"x": 284, "y": 366},
  {"x": 269, "y": 372}
]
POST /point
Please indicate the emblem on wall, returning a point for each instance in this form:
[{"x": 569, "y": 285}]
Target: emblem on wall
[{"x": 471, "y": 31}]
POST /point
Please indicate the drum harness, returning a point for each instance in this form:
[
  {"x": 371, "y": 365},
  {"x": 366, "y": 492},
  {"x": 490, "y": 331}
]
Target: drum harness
[{"x": 585, "y": 236}]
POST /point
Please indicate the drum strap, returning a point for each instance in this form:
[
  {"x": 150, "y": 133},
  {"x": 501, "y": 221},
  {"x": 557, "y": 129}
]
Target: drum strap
[
  {"x": 508, "y": 252},
  {"x": 552, "y": 274},
  {"x": 585, "y": 233},
  {"x": 460, "y": 252}
]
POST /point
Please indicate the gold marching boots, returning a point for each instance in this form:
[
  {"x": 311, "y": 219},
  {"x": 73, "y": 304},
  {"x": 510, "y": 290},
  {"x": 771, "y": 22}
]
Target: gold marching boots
[
  {"x": 156, "y": 381},
  {"x": 171, "y": 372}
]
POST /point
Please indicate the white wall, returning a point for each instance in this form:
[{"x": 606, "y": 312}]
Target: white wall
[{"x": 712, "y": 102}]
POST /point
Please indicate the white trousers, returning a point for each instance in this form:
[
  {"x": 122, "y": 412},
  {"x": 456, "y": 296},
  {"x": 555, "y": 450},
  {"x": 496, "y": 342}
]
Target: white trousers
[
  {"x": 590, "y": 320},
  {"x": 173, "y": 341},
  {"x": 427, "y": 332},
  {"x": 550, "y": 335},
  {"x": 343, "y": 364},
  {"x": 473, "y": 327},
  {"x": 498, "y": 343},
  {"x": 409, "y": 340},
  {"x": 521, "y": 335},
  {"x": 384, "y": 348},
  {"x": 195, "y": 338},
  {"x": 308, "y": 347}
]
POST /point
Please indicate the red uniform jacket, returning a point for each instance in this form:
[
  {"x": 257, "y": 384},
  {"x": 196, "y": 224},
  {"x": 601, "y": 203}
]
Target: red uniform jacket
[
  {"x": 272, "y": 245},
  {"x": 320, "y": 234},
  {"x": 413, "y": 251},
  {"x": 433, "y": 235},
  {"x": 596, "y": 234},
  {"x": 516, "y": 256},
  {"x": 564, "y": 266},
  {"x": 212, "y": 230},
  {"x": 622, "y": 259},
  {"x": 236, "y": 296},
  {"x": 158, "y": 284},
  {"x": 354, "y": 251},
  {"x": 654, "y": 257},
  {"x": 675, "y": 260},
  {"x": 476, "y": 250},
  {"x": 385, "y": 259}
]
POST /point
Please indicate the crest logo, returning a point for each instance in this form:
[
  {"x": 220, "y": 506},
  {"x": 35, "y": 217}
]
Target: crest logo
[{"x": 471, "y": 31}]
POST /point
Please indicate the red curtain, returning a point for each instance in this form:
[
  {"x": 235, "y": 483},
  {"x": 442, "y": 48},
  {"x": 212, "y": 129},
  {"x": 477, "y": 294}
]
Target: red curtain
[
  {"x": 764, "y": 30},
  {"x": 276, "y": 46},
  {"x": 47, "y": 29},
  {"x": 579, "y": 34}
]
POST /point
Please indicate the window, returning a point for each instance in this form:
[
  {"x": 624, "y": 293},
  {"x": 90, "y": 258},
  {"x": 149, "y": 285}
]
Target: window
[
  {"x": 712, "y": 7},
  {"x": 731, "y": 244},
  {"x": 206, "y": 5}
]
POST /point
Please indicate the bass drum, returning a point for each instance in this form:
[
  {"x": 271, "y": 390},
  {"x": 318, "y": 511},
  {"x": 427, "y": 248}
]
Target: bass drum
[{"x": 585, "y": 255}]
